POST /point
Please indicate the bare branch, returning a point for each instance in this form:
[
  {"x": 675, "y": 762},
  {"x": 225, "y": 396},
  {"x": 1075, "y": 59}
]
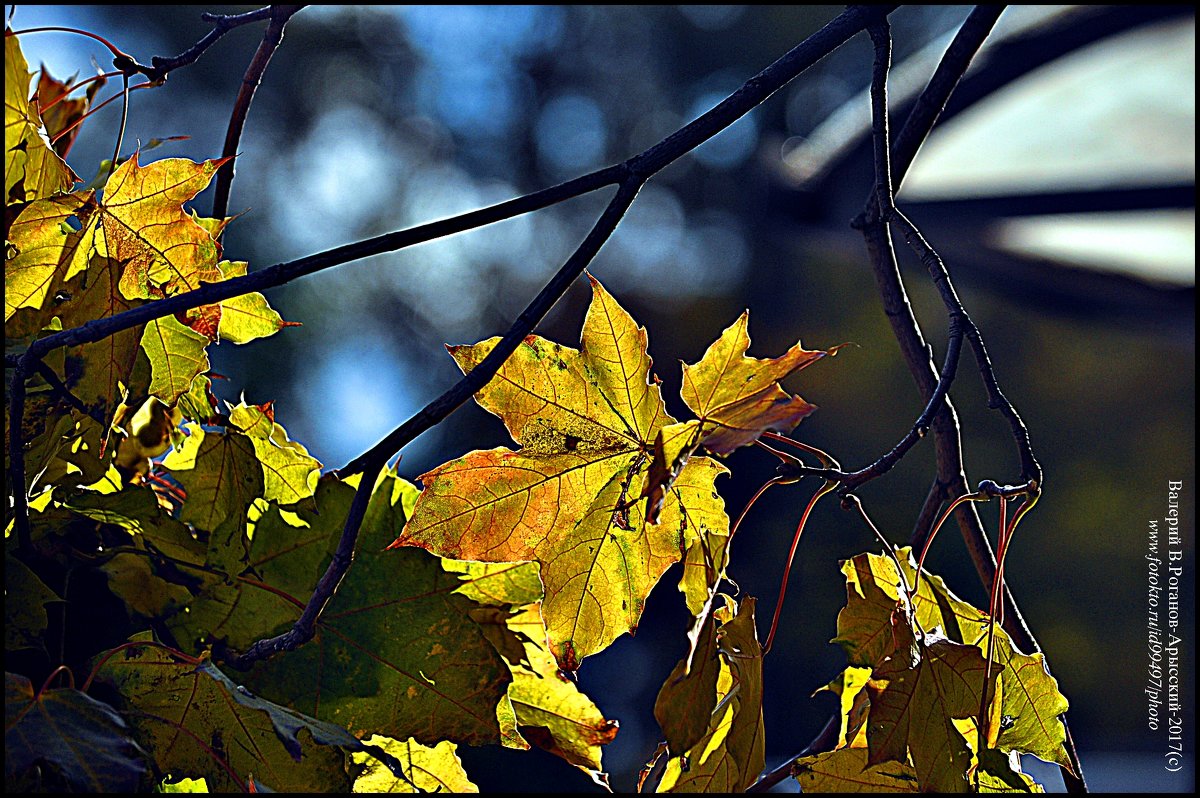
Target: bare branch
[{"x": 241, "y": 107}]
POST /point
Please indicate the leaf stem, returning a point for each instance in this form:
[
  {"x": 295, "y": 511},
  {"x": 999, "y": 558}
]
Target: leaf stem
[{"x": 787, "y": 566}]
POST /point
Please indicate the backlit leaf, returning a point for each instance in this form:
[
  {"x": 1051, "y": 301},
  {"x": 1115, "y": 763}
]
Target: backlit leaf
[
  {"x": 1029, "y": 694},
  {"x": 731, "y": 754},
  {"x": 46, "y": 254},
  {"x": 687, "y": 698},
  {"x": 142, "y": 224},
  {"x": 246, "y": 317},
  {"x": 737, "y": 397},
  {"x": 193, "y": 719},
  {"x": 850, "y": 688},
  {"x": 32, "y": 169},
  {"x": 177, "y": 356},
  {"x": 221, "y": 474},
  {"x": 290, "y": 473},
  {"x": 915, "y": 693},
  {"x": 425, "y": 769},
  {"x": 846, "y": 771},
  {"x": 586, "y": 420},
  {"x": 396, "y": 650}
]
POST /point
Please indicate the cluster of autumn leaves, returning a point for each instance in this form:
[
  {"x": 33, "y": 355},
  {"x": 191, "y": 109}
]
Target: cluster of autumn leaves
[{"x": 470, "y": 601}]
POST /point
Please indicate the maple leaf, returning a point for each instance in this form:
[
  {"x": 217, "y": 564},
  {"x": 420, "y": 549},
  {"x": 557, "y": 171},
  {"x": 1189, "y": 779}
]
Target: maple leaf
[
  {"x": 60, "y": 112},
  {"x": 737, "y": 398},
  {"x": 32, "y": 169},
  {"x": 687, "y": 698},
  {"x": 845, "y": 770},
  {"x": 97, "y": 258},
  {"x": 916, "y": 692},
  {"x": 396, "y": 651},
  {"x": 188, "y": 714},
  {"x": 731, "y": 753},
  {"x": 587, "y": 420},
  {"x": 549, "y": 710},
  {"x": 425, "y": 768},
  {"x": 1025, "y": 691},
  {"x": 65, "y": 739}
]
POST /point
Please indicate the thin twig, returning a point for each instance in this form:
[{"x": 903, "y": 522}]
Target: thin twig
[
  {"x": 241, "y": 107},
  {"x": 56, "y": 385},
  {"x": 112, "y": 165},
  {"x": 961, "y": 323}
]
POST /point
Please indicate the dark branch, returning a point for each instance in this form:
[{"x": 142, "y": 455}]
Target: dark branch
[
  {"x": 222, "y": 24},
  {"x": 63, "y": 391},
  {"x": 241, "y": 107},
  {"x": 280, "y": 274}
]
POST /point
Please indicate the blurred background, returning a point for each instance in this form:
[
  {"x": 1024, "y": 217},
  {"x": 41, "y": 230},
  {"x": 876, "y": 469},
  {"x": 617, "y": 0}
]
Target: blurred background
[{"x": 1059, "y": 190}]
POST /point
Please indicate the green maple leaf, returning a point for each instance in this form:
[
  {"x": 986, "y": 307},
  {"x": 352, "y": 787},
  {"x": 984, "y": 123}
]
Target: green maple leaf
[
  {"x": 193, "y": 719},
  {"x": 587, "y": 420}
]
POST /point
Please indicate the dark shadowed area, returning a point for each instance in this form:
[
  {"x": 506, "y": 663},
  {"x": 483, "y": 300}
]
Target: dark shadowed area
[{"x": 1059, "y": 192}]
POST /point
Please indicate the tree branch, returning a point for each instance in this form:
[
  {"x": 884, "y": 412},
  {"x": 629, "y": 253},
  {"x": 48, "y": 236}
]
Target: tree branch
[
  {"x": 939, "y": 412},
  {"x": 222, "y": 24},
  {"x": 241, "y": 107},
  {"x": 370, "y": 463}
]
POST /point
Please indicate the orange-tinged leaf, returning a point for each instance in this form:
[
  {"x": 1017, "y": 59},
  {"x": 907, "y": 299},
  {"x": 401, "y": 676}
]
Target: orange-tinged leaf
[
  {"x": 32, "y": 169},
  {"x": 737, "y": 397},
  {"x": 141, "y": 223},
  {"x": 586, "y": 420},
  {"x": 59, "y": 112}
]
